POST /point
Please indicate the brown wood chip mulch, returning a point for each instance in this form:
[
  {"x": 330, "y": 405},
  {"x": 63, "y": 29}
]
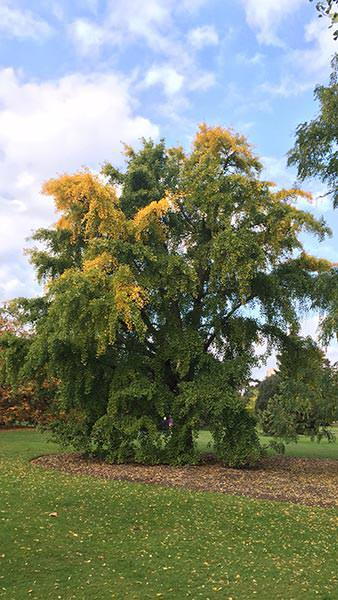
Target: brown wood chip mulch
[
  {"x": 4, "y": 428},
  {"x": 298, "y": 480}
]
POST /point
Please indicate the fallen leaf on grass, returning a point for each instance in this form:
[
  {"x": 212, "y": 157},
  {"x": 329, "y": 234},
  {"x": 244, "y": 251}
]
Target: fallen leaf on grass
[{"x": 312, "y": 482}]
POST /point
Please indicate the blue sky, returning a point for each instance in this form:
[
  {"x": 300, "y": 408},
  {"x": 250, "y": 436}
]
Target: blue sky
[{"x": 77, "y": 78}]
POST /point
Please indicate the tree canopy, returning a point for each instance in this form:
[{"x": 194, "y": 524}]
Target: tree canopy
[{"x": 160, "y": 280}]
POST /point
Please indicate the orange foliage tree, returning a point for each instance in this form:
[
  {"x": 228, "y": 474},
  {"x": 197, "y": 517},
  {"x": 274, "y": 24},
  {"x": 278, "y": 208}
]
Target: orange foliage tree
[{"x": 26, "y": 403}]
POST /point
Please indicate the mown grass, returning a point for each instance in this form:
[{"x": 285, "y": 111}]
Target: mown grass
[
  {"x": 305, "y": 447},
  {"x": 25, "y": 444},
  {"x": 121, "y": 540}
]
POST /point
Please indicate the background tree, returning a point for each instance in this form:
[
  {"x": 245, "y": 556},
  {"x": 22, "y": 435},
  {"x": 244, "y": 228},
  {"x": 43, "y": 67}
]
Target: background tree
[
  {"x": 302, "y": 397},
  {"x": 157, "y": 295},
  {"x": 29, "y": 402},
  {"x": 315, "y": 151},
  {"x": 267, "y": 389}
]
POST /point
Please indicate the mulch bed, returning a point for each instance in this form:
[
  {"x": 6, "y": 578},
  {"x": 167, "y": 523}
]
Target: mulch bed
[
  {"x": 298, "y": 480},
  {"x": 16, "y": 427}
]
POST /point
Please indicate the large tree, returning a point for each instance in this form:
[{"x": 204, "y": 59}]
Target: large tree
[
  {"x": 160, "y": 282},
  {"x": 315, "y": 151}
]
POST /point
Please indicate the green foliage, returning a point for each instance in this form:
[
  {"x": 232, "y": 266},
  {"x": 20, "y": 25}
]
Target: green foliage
[
  {"x": 267, "y": 388},
  {"x": 327, "y": 301},
  {"x": 157, "y": 293},
  {"x": 235, "y": 439},
  {"x": 303, "y": 397},
  {"x": 315, "y": 149},
  {"x": 71, "y": 430}
]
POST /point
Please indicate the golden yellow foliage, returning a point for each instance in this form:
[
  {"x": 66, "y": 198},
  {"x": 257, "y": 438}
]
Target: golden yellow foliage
[
  {"x": 292, "y": 194},
  {"x": 217, "y": 139},
  {"x": 102, "y": 262},
  {"x": 312, "y": 263},
  {"x": 128, "y": 296},
  {"x": 87, "y": 205},
  {"x": 152, "y": 213}
]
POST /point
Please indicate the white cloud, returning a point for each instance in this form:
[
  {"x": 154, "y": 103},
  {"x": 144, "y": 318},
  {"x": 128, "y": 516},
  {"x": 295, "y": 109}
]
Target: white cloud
[
  {"x": 202, "y": 81},
  {"x": 176, "y": 71},
  {"x": 126, "y": 21},
  {"x": 275, "y": 169},
  {"x": 245, "y": 126},
  {"x": 57, "y": 10},
  {"x": 303, "y": 68},
  {"x": 316, "y": 58},
  {"x": 288, "y": 86},
  {"x": 176, "y": 86},
  {"x": 191, "y": 6},
  {"x": 255, "y": 59},
  {"x": 167, "y": 76},
  {"x": 92, "y": 5},
  {"x": 13, "y": 282},
  {"x": 89, "y": 37},
  {"x": 205, "y": 35},
  {"x": 145, "y": 22},
  {"x": 155, "y": 24},
  {"x": 48, "y": 128},
  {"x": 16, "y": 23},
  {"x": 265, "y": 16},
  {"x": 52, "y": 125}
]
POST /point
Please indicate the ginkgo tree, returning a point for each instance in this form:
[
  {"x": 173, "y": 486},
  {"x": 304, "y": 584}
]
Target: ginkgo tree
[{"x": 160, "y": 281}]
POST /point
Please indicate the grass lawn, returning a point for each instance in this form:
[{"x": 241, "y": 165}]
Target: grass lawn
[
  {"x": 303, "y": 448},
  {"x": 120, "y": 540}
]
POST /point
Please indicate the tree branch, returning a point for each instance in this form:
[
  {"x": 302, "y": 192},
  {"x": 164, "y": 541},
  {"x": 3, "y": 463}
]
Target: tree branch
[
  {"x": 211, "y": 338},
  {"x": 148, "y": 323},
  {"x": 185, "y": 216}
]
